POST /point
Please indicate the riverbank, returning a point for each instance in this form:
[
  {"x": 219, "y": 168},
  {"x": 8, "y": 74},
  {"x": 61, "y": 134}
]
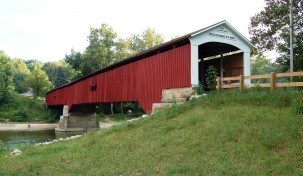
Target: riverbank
[{"x": 15, "y": 126}]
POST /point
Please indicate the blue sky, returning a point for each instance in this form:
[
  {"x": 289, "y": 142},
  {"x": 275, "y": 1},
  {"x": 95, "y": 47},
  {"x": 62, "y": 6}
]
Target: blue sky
[{"x": 47, "y": 30}]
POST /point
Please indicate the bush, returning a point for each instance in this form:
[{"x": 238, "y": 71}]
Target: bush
[
  {"x": 20, "y": 116},
  {"x": 199, "y": 89},
  {"x": 211, "y": 78}
]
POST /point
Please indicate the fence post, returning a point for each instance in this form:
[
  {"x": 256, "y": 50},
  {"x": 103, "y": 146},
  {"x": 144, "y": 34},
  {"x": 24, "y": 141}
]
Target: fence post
[
  {"x": 272, "y": 81},
  {"x": 241, "y": 79},
  {"x": 218, "y": 83}
]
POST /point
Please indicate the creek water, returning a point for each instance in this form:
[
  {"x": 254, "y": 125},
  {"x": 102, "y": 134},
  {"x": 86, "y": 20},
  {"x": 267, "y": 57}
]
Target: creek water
[{"x": 13, "y": 138}]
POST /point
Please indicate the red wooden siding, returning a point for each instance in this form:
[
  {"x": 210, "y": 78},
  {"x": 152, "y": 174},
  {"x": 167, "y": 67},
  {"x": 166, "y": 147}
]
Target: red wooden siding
[{"x": 140, "y": 81}]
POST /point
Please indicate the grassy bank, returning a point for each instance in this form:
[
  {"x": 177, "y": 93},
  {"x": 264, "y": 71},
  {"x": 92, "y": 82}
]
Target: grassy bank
[
  {"x": 225, "y": 133},
  {"x": 23, "y": 109}
]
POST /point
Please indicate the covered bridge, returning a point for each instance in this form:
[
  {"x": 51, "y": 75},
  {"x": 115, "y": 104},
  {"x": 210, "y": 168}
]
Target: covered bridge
[{"x": 179, "y": 63}]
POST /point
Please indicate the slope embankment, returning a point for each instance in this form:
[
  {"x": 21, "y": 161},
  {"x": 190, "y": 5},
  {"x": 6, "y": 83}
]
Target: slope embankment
[{"x": 224, "y": 133}]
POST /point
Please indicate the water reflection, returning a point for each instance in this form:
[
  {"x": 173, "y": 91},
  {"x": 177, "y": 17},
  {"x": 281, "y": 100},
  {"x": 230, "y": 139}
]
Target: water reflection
[{"x": 15, "y": 138}]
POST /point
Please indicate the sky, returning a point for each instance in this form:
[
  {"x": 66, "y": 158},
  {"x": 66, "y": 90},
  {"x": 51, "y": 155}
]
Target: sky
[{"x": 47, "y": 30}]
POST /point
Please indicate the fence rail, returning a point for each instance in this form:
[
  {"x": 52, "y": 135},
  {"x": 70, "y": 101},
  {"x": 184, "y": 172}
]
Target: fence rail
[{"x": 272, "y": 83}]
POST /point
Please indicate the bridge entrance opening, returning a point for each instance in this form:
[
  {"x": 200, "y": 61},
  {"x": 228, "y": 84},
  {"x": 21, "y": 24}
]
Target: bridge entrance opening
[{"x": 225, "y": 58}]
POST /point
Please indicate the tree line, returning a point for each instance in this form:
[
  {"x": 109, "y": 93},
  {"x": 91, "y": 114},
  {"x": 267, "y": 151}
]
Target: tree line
[{"x": 105, "y": 48}]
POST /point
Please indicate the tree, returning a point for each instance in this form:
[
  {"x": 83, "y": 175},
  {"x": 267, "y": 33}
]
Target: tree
[
  {"x": 106, "y": 48},
  {"x": 74, "y": 59},
  {"x": 123, "y": 49},
  {"x": 38, "y": 82},
  {"x": 32, "y": 63},
  {"x": 59, "y": 72},
  {"x": 270, "y": 31},
  {"x": 6, "y": 76},
  {"x": 261, "y": 65},
  {"x": 148, "y": 39},
  {"x": 20, "y": 73},
  {"x": 101, "y": 49}
]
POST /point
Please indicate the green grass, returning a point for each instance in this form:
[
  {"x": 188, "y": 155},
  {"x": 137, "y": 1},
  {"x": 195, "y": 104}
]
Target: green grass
[
  {"x": 225, "y": 133},
  {"x": 24, "y": 109}
]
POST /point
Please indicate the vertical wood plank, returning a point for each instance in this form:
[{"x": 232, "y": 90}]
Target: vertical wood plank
[
  {"x": 218, "y": 83},
  {"x": 272, "y": 81},
  {"x": 241, "y": 78}
]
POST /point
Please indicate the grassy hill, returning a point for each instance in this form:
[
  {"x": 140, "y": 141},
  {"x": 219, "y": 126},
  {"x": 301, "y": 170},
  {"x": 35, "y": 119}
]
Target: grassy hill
[{"x": 225, "y": 133}]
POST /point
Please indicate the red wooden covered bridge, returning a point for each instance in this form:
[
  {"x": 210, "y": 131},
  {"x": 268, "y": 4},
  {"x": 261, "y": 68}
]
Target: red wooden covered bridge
[{"x": 179, "y": 63}]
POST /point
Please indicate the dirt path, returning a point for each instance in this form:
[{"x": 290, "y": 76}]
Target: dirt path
[{"x": 14, "y": 126}]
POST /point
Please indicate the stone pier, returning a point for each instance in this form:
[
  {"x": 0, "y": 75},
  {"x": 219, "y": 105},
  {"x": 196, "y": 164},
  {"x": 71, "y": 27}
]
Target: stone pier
[{"x": 80, "y": 118}]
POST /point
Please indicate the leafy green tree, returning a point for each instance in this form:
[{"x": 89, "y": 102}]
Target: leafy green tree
[
  {"x": 123, "y": 49},
  {"x": 106, "y": 48},
  {"x": 31, "y": 64},
  {"x": 261, "y": 65},
  {"x": 74, "y": 59},
  {"x": 38, "y": 82},
  {"x": 6, "y": 77},
  {"x": 59, "y": 72},
  {"x": 148, "y": 39},
  {"x": 101, "y": 49},
  {"x": 21, "y": 72},
  {"x": 270, "y": 30}
]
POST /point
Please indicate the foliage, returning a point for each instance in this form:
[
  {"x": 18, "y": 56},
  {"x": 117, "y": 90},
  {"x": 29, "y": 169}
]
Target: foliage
[
  {"x": 59, "y": 72},
  {"x": 237, "y": 133},
  {"x": 100, "y": 51},
  {"x": 20, "y": 73},
  {"x": 24, "y": 109},
  {"x": 148, "y": 39},
  {"x": 199, "y": 89},
  {"x": 31, "y": 64},
  {"x": 261, "y": 65},
  {"x": 6, "y": 76},
  {"x": 74, "y": 59},
  {"x": 211, "y": 77},
  {"x": 105, "y": 48},
  {"x": 270, "y": 30},
  {"x": 38, "y": 82}
]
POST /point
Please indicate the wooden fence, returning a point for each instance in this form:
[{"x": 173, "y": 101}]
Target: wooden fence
[{"x": 239, "y": 81}]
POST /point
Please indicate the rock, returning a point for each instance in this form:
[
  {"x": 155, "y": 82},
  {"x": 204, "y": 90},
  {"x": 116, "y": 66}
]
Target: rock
[
  {"x": 129, "y": 112},
  {"x": 197, "y": 96},
  {"x": 16, "y": 152},
  {"x": 144, "y": 115}
]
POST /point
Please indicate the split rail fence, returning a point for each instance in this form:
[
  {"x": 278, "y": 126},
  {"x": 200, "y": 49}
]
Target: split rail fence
[{"x": 238, "y": 82}]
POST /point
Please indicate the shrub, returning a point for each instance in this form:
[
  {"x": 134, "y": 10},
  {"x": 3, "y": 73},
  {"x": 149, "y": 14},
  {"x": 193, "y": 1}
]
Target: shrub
[
  {"x": 199, "y": 89},
  {"x": 20, "y": 116},
  {"x": 211, "y": 78}
]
